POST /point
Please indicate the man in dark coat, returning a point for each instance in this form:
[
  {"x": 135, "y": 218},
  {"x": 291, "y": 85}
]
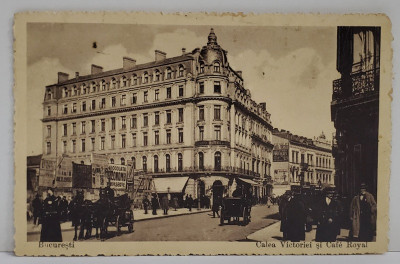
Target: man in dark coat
[
  {"x": 190, "y": 202},
  {"x": 109, "y": 192},
  {"x": 51, "y": 229},
  {"x": 283, "y": 212},
  {"x": 238, "y": 192},
  {"x": 154, "y": 204},
  {"x": 328, "y": 217},
  {"x": 146, "y": 204},
  {"x": 37, "y": 207},
  {"x": 296, "y": 217},
  {"x": 215, "y": 208}
]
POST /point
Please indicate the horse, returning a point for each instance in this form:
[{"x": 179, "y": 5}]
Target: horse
[{"x": 77, "y": 210}]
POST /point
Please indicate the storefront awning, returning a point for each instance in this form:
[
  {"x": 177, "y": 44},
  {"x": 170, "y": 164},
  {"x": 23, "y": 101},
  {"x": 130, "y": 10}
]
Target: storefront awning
[
  {"x": 249, "y": 181},
  {"x": 170, "y": 184}
]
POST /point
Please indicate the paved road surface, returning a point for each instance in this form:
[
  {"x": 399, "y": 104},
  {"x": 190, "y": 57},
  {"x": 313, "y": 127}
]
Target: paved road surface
[{"x": 197, "y": 227}]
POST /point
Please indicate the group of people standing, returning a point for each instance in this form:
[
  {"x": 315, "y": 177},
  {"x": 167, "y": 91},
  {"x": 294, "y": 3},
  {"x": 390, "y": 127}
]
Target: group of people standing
[
  {"x": 49, "y": 213},
  {"x": 164, "y": 203},
  {"x": 297, "y": 215}
]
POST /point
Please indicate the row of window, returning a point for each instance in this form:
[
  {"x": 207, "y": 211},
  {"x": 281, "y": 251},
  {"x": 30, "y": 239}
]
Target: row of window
[
  {"x": 217, "y": 162},
  {"x": 125, "y": 82},
  {"x": 123, "y": 122},
  {"x": 103, "y": 85},
  {"x": 92, "y": 104},
  {"x": 324, "y": 162},
  {"x": 145, "y": 141}
]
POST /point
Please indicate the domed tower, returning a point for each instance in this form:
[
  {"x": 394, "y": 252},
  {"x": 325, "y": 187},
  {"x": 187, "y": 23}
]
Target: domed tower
[
  {"x": 212, "y": 57},
  {"x": 212, "y": 134}
]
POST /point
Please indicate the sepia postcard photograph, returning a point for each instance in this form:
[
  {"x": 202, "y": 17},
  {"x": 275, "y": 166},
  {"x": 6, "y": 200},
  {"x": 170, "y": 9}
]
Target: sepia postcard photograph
[{"x": 203, "y": 134}]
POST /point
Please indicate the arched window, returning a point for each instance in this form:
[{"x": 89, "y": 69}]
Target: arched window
[
  {"x": 111, "y": 161},
  {"x": 122, "y": 161},
  {"x": 103, "y": 85},
  {"x": 144, "y": 163},
  {"x": 93, "y": 87},
  {"x": 134, "y": 80},
  {"x": 49, "y": 95},
  {"x": 82, "y": 162},
  {"x": 180, "y": 71},
  {"x": 124, "y": 83},
  {"x": 155, "y": 163},
  {"x": 167, "y": 163},
  {"x": 75, "y": 90},
  {"x": 65, "y": 92},
  {"x": 157, "y": 76},
  {"x": 169, "y": 73},
  {"x": 113, "y": 83},
  {"x": 217, "y": 67},
  {"x": 217, "y": 161},
  {"x": 133, "y": 163},
  {"x": 83, "y": 88},
  {"x": 145, "y": 77},
  {"x": 201, "y": 67},
  {"x": 201, "y": 161},
  {"x": 180, "y": 162}
]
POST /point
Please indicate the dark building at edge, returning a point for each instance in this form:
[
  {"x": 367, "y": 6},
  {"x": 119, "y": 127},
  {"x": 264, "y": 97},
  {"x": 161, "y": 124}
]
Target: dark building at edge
[{"x": 355, "y": 109}]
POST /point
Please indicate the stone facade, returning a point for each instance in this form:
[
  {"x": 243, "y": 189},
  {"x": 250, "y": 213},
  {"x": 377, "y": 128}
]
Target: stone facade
[{"x": 188, "y": 115}]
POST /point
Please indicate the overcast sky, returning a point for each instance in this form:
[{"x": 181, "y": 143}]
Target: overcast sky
[{"x": 289, "y": 68}]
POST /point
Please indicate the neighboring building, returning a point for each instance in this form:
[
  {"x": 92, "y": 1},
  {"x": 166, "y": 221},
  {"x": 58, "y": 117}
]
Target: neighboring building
[
  {"x": 187, "y": 116},
  {"x": 294, "y": 154},
  {"x": 355, "y": 108}
]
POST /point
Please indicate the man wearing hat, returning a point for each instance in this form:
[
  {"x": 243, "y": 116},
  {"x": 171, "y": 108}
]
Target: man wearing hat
[
  {"x": 296, "y": 216},
  {"x": 37, "y": 209},
  {"x": 328, "y": 217},
  {"x": 363, "y": 215},
  {"x": 51, "y": 229}
]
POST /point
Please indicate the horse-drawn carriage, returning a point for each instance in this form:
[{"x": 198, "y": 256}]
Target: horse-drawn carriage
[
  {"x": 234, "y": 208},
  {"x": 114, "y": 211},
  {"x": 105, "y": 212}
]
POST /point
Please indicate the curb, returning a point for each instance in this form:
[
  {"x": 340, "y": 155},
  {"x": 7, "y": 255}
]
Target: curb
[{"x": 138, "y": 220}]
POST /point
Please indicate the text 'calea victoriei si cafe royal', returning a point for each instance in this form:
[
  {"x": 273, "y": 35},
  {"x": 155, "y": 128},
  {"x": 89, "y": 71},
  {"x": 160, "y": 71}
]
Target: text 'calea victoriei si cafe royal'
[{"x": 187, "y": 120}]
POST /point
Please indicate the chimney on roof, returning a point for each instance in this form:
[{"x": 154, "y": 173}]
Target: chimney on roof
[
  {"x": 239, "y": 73},
  {"x": 62, "y": 77},
  {"x": 183, "y": 51},
  {"x": 96, "y": 69},
  {"x": 128, "y": 63},
  {"x": 263, "y": 106},
  {"x": 76, "y": 75},
  {"x": 160, "y": 55}
]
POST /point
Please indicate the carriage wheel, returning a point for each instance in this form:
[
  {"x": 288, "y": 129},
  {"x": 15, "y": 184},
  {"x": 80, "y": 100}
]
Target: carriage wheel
[{"x": 118, "y": 226}]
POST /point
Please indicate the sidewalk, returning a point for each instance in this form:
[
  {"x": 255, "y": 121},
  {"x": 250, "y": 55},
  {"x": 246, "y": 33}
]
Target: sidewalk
[
  {"x": 273, "y": 233},
  {"x": 138, "y": 216}
]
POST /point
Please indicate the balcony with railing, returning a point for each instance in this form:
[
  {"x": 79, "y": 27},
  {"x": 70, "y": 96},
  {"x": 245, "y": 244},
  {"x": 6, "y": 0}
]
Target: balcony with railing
[
  {"x": 360, "y": 82},
  {"x": 198, "y": 169}
]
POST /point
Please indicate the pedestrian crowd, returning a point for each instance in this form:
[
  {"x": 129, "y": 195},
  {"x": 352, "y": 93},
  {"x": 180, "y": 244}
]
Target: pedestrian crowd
[{"x": 299, "y": 210}]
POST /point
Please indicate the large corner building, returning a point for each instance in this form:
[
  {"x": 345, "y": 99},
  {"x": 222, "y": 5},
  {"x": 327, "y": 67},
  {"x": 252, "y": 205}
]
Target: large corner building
[{"x": 188, "y": 120}]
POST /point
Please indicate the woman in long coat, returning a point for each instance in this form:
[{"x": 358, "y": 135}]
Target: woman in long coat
[
  {"x": 51, "y": 229},
  {"x": 363, "y": 215}
]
